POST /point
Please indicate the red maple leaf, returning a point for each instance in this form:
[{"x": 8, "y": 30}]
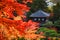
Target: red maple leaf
[{"x": 7, "y": 7}]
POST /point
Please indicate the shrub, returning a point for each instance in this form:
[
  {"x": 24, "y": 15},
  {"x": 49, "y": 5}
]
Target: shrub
[
  {"x": 48, "y": 24},
  {"x": 42, "y": 29},
  {"x": 57, "y": 23},
  {"x": 51, "y": 33},
  {"x": 47, "y": 32}
]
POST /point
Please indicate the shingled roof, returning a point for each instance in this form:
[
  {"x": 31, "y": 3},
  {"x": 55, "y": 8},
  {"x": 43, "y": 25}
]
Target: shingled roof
[{"x": 40, "y": 13}]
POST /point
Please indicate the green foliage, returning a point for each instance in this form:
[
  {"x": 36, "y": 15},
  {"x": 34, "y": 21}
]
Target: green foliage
[
  {"x": 42, "y": 38},
  {"x": 42, "y": 29},
  {"x": 20, "y": 38},
  {"x": 56, "y": 11},
  {"x": 58, "y": 35},
  {"x": 57, "y": 23},
  {"x": 38, "y": 4},
  {"x": 51, "y": 33},
  {"x": 48, "y": 24},
  {"x": 28, "y": 14},
  {"x": 47, "y": 32}
]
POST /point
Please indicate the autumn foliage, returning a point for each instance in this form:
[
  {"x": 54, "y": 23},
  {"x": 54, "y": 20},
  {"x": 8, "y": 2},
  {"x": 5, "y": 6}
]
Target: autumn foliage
[
  {"x": 12, "y": 26},
  {"x": 7, "y": 7}
]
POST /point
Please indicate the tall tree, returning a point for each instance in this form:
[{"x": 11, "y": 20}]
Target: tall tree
[
  {"x": 38, "y": 4},
  {"x": 55, "y": 1},
  {"x": 56, "y": 10}
]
